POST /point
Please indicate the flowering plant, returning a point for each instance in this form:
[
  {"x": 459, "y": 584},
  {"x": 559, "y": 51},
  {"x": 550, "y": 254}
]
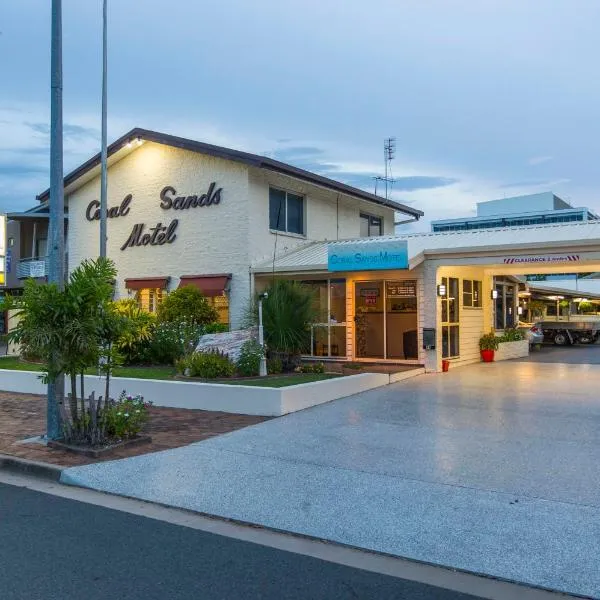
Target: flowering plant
[{"x": 126, "y": 416}]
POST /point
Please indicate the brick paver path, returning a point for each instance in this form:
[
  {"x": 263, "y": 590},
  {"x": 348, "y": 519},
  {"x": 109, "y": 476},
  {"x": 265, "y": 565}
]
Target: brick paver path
[{"x": 24, "y": 415}]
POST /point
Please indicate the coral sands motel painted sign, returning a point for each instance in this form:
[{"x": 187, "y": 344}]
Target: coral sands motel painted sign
[
  {"x": 159, "y": 234},
  {"x": 360, "y": 256}
]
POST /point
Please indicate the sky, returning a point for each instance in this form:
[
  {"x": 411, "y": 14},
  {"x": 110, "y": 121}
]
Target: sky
[{"x": 487, "y": 99}]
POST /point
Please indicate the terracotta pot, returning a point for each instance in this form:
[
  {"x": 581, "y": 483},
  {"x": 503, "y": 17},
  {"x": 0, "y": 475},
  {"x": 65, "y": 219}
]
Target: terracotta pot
[{"x": 487, "y": 355}]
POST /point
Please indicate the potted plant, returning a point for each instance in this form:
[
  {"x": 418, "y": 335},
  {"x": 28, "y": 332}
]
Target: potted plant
[{"x": 488, "y": 344}]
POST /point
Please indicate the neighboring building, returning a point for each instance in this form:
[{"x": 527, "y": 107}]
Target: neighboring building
[
  {"x": 185, "y": 212},
  {"x": 534, "y": 209}
]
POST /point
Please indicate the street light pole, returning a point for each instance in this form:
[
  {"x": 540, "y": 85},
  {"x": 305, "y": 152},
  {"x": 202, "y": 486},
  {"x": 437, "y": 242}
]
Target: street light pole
[
  {"x": 262, "y": 371},
  {"x": 56, "y": 226},
  {"x": 103, "y": 151}
]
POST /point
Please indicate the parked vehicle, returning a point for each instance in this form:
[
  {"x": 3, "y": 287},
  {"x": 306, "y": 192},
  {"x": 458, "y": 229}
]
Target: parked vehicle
[
  {"x": 564, "y": 333},
  {"x": 533, "y": 333}
]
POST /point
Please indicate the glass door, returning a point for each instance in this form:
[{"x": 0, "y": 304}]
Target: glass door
[{"x": 369, "y": 307}]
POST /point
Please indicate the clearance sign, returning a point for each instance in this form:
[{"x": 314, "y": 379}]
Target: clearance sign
[{"x": 543, "y": 259}]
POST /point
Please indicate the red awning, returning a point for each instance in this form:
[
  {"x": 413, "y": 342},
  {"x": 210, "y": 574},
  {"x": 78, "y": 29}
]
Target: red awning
[
  {"x": 143, "y": 283},
  {"x": 209, "y": 285}
]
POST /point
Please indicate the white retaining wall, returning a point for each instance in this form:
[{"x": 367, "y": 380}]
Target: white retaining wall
[
  {"x": 508, "y": 350},
  {"x": 239, "y": 399}
]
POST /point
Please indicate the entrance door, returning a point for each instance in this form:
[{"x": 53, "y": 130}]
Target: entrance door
[
  {"x": 369, "y": 311},
  {"x": 386, "y": 319}
]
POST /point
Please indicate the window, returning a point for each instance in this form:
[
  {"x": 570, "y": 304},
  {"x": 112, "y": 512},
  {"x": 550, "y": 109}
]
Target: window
[
  {"x": 286, "y": 211},
  {"x": 471, "y": 293},
  {"x": 148, "y": 299},
  {"x": 328, "y": 332},
  {"x": 221, "y": 305},
  {"x": 450, "y": 313},
  {"x": 370, "y": 226}
]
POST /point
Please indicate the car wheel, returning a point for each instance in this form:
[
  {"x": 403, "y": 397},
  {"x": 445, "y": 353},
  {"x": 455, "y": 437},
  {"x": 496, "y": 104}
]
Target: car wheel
[
  {"x": 561, "y": 339},
  {"x": 585, "y": 339}
]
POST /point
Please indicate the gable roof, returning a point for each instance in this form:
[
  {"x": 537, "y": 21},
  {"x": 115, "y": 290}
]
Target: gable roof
[{"x": 254, "y": 160}]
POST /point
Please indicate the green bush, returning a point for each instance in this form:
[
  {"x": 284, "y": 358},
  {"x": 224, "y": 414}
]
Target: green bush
[
  {"x": 186, "y": 304},
  {"x": 248, "y": 363},
  {"x": 312, "y": 368},
  {"x": 207, "y": 365},
  {"x": 512, "y": 335},
  {"x": 585, "y": 306},
  {"x": 125, "y": 417},
  {"x": 489, "y": 341},
  {"x": 213, "y": 328},
  {"x": 274, "y": 366}
]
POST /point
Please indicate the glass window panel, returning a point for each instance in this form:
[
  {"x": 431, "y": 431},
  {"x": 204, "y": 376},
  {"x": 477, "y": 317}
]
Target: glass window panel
[
  {"x": 364, "y": 226},
  {"x": 454, "y": 341},
  {"x": 338, "y": 301},
  {"x": 295, "y": 214},
  {"x": 277, "y": 215},
  {"x": 477, "y": 294},
  {"x": 375, "y": 226},
  {"x": 445, "y": 345},
  {"x": 467, "y": 285},
  {"x": 453, "y": 300}
]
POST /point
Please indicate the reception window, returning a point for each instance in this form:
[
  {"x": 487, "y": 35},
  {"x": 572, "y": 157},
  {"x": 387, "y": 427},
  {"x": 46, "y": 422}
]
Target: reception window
[
  {"x": 286, "y": 212},
  {"x": 471, "y": 293}
]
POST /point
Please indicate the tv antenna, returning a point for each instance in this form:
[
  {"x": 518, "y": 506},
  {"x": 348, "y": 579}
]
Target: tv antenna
[{"x": 389, "y": 153}]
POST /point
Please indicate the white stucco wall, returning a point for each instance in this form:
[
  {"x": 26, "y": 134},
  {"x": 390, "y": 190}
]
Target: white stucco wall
[{"x": 224, "y": 238}]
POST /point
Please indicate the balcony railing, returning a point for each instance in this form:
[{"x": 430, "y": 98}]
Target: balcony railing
[{"x": 32, "y": 267}]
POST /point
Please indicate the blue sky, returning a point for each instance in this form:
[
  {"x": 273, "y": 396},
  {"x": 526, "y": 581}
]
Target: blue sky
[{"x": 486, "y": 98}]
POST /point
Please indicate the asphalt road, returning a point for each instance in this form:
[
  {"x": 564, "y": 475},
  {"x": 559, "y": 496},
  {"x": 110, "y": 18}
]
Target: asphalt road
[{"x": 52, "y": 548}]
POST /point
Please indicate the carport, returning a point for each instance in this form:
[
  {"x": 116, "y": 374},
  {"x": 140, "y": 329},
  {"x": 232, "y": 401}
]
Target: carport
[{"x": 444, "y": 289}]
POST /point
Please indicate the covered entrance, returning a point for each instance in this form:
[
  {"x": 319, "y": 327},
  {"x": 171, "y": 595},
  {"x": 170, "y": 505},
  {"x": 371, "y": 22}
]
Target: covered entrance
[{"x": 386, "y": 319}]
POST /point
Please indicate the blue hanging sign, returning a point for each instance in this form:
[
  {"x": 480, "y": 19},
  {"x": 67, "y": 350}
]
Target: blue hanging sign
[{"x": 371, "y": 256}]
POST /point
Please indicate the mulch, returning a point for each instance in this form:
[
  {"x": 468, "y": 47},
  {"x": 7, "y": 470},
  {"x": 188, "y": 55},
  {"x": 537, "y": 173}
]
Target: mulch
[{"x": 23, "y": 416}]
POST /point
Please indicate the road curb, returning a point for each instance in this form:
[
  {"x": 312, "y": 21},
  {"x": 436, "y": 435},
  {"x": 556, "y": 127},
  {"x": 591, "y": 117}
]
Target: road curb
[{"x": 30, "y": 467}]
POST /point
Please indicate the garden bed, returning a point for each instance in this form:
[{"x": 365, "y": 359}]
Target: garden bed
[
  {"x": 272, "y": 381},
  {"x": 99, "y": 451}
]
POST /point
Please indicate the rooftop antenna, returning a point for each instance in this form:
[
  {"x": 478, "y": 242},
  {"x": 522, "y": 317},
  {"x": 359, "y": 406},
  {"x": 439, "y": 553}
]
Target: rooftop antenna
[{"x": 389, "y": 153}]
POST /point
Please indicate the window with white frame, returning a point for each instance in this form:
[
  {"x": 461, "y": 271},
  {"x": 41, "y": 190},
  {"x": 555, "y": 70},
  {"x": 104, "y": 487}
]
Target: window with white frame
[
  {"x": 471, "y": 293},
  {"x": 286, "y": 211},
  {"x": 370, "y": 225}
]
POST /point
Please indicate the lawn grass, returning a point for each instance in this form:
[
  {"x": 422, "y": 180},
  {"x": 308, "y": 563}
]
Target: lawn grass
[
  {"x": 166, "y": 373},
  {"x": 282, "y": 380},
  {"x": 156, "y": 372}
]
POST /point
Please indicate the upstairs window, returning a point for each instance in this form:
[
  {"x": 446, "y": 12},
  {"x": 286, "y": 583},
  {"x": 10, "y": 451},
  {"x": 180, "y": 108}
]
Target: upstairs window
[
  {"x": 286, "y": 212},
  {"x": 370, "y": 226}
]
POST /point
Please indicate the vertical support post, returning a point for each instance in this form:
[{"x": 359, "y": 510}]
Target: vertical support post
[
  {"x": 103, "y": 151},
  {"x": 56, "y": 264},
  {"x": 33, "y": 239},
  {"x": 261, "y": 339}
]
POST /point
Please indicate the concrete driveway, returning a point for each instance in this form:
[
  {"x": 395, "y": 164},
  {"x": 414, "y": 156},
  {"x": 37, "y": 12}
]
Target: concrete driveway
[
  {"x": 492, "y": 468},
  {"x": 578, "y": 354}
]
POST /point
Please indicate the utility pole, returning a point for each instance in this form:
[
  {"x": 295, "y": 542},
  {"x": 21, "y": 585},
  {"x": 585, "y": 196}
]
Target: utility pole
[
  {"x": 103, "y": 151},
  {"x": 56, "y": 258}
]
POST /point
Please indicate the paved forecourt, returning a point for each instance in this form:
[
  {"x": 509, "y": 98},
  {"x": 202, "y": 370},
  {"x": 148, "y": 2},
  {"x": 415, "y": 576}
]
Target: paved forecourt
[{"x": 492, "y": 468}]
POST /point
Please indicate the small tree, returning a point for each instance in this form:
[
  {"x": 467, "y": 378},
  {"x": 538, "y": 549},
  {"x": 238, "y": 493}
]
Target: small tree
[
  {"x": 585, "y": 306},
  {"x": 187, "y": 304},
  {"x": 288, "y": 311}
]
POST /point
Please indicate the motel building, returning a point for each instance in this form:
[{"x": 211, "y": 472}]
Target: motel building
[{"x": 183, "y": 212}]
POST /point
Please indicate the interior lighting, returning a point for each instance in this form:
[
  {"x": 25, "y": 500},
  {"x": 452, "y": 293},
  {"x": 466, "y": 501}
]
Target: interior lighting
[
  {"x": 441, "y": 290},
  {"x": 494, "y": 294},
  {"x": 139, "y": 141}
]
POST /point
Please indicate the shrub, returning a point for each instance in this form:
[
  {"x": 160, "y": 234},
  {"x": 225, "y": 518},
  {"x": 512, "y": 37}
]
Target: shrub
[
  {"x": 125, "y": 417},
  {"x": 274, "y": 366},
  {"x": 208, "y": 365},
  {"x": 312, "y": 368},
  {"x": 186, "y": 304},
  {"x": 248, "y": 363},
  {"x": 512, "y": 335},
  {"x": 213, "y": 328},
  {"x": 585, "y": 306},
  {"x": 137, "y": 332},
  {"x": 489, "y": 341}
]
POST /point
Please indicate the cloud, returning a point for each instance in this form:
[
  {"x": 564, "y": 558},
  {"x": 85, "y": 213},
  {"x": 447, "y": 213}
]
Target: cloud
[{"x": 538, "y": 160}]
